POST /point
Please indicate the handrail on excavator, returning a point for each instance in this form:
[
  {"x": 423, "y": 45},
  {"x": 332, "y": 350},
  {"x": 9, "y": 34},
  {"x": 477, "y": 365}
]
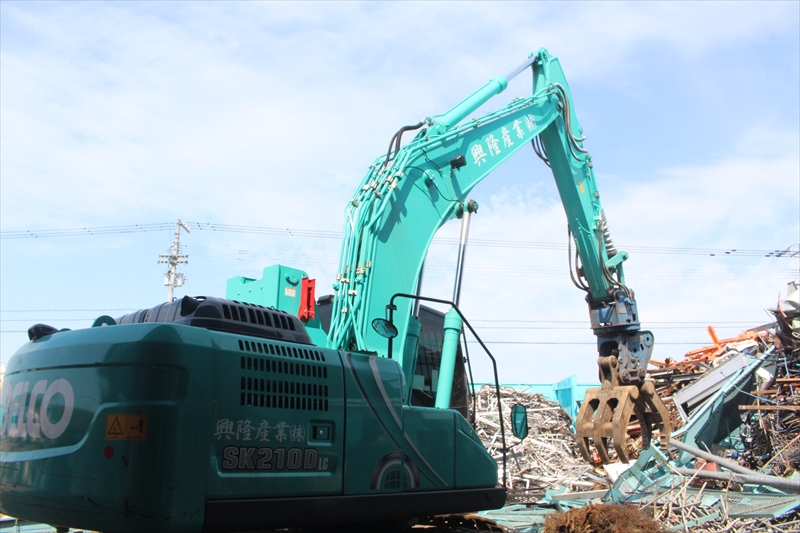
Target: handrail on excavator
[{"x": 391, "y": 308}]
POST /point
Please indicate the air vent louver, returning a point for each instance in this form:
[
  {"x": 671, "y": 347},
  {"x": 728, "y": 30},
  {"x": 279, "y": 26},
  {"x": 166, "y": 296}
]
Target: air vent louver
[{"x": 283, "y": 378}]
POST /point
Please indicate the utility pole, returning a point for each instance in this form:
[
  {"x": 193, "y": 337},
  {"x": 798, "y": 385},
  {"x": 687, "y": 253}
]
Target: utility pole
[{"x": 173, "y": 259}]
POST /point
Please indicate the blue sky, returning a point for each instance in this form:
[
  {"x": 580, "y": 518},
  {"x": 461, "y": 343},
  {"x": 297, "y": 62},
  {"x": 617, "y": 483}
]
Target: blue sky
[{"x": 268, "y": 114}]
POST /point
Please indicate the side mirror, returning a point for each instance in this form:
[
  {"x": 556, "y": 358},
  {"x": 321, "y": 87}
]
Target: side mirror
[
  {"x": 384, "y": 328},
  {"x": 519, "y": 421}
]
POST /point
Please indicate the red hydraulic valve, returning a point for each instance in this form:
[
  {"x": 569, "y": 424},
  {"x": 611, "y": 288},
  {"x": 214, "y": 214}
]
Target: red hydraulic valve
[{"x": 307, "y": 310}]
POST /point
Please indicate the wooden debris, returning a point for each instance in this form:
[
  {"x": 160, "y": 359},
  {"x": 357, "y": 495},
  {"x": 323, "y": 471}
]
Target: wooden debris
[{"x": 547, "y": 458}]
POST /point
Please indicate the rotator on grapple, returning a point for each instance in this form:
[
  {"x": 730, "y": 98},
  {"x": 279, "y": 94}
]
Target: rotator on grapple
[
  {"x": 605, "y": 413},
  {"x": 623, "y": 354}
]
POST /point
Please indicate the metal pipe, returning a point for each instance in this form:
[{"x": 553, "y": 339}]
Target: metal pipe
[
  {"x": 391, "y": 307},
  {"x": 417, "y": 303},
  {"x": 514, "y": 73},
  {"x": 467, "y": 209},
  {"x": 721, "y": 461},
  {"x": 789, "y": 485},
  {"x": 493, "y": 87},
  {"x": 447, "y": 365}
]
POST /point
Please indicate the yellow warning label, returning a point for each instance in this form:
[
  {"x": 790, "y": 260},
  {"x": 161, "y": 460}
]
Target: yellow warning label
[{"x": 126, "y": 427}]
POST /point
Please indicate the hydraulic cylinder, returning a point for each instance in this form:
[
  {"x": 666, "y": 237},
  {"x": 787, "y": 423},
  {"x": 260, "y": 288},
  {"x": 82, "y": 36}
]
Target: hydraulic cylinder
[{"x": 452, "y": 331}]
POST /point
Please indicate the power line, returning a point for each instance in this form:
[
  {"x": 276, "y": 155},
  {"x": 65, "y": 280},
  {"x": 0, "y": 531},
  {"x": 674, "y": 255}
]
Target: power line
[
  {"x": 72, "y": 232},
  {"x": 209, "y": 251},
  {"x": 69, "y": 319},
  {"x": 587, "y": 327},
  {"x": 791, "y": 251},
  {"x": 736, "y": 323},
  {"x": 699, "y": 343},
  {"x": 61, "y": 310},
  {"x": 583, "y": 321},
  {"x": 517, "y": 328},
  {"x": 699, "y": 323},
  {"x": 491, "y": 270}
]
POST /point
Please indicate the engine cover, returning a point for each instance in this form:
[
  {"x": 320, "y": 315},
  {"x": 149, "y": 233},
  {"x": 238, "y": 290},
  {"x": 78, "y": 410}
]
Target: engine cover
[{"x": 230, "y": 316}]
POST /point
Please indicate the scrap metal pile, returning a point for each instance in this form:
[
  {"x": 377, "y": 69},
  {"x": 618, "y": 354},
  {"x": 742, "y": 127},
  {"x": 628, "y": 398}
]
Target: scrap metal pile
[
  {"x": 716, "y": 511},
  {"x": 765, "y": 422},
  {"x": 734, "y": 459},
  {"x": 679, "y": 499}
]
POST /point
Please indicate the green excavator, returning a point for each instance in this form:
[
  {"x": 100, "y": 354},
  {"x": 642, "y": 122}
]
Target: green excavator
[{"x": 272, "y": 409}]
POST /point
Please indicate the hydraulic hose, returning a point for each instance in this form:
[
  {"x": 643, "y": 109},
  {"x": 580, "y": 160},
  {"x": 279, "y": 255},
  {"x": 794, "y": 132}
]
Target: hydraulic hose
[
  {"x": 538, "y": 147},
  {"x": 574, "y": 276},
  {"x": 396, "y": 138}
]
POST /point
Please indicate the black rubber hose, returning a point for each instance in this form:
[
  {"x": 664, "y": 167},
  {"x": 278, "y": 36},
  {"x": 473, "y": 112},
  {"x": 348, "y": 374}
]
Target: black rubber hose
[{"x": 397, "y": 137}]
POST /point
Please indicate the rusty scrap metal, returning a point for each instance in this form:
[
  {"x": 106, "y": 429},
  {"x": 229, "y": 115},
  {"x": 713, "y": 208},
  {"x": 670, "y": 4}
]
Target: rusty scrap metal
[{"x": 679, "y": 509}]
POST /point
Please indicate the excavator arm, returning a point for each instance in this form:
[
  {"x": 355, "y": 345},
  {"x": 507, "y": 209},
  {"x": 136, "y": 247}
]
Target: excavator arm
[{"x": 412, "y": 190}]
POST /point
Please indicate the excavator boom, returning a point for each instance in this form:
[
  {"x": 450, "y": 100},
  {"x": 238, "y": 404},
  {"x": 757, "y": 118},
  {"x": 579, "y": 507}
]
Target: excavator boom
[{"x": 411, "y": 191}]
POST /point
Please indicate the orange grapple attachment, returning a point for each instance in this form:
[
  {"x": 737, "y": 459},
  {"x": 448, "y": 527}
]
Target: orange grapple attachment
[{"x": 607, "y": 412}]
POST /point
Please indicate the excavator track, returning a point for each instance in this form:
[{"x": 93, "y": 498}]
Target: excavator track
[
  {"x": 455, "y": 523},
  {"x": 451, "y": 523}
]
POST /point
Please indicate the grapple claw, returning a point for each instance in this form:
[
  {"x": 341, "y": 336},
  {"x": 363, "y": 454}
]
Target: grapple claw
[{"x": 606, "y": 413}]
